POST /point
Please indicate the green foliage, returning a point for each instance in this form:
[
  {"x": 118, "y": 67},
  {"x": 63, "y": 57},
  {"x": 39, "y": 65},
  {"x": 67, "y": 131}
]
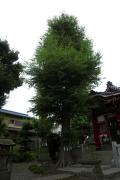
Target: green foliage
[
  {"x": 22, "y": 156},
  {"x": 10, "y": 71},
  {"x": 37, "y": 169},
  {"x": 26, "y": 156},
  {"x": 79, "y": 120},
  {"x": 24, "y": 138},
  {"x": 3, "y": 127},
  {"x": 42, "y": 127},
  {"x": 63, "y": 71},
  {"x": 80, "y": 127},
  {"x": 65, "y": 67}
]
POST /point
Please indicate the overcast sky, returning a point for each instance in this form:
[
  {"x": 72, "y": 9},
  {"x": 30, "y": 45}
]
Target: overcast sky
[{"x": 23, "y": 22}]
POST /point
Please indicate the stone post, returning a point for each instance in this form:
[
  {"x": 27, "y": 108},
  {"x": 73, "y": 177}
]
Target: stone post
[{"x": 116, "y": 154}]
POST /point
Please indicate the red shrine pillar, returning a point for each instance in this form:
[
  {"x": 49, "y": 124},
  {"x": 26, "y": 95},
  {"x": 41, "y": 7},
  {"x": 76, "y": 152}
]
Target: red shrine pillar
[{"x": 96, "y": 133}]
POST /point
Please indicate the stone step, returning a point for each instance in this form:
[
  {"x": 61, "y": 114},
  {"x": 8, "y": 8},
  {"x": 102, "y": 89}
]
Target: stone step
[
  {"x": 54, "y": 177},
  {"x": 77, "y": 169},
  {"x": 111, "y": 171}
]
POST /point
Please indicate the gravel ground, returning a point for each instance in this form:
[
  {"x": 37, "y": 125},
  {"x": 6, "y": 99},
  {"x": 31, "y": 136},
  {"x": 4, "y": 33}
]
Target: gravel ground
[{"x": 20, "y": 171}]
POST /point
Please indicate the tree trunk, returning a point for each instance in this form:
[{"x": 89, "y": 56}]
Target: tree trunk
[{"x": 65, "y": 148}]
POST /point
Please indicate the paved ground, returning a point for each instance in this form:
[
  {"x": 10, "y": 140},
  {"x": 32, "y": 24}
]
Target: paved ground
[{"x": 21, "y": 172}]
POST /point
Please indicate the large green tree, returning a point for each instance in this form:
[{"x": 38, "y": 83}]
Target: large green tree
[
  {"x": 63, "y": 71},
  {"x": 10, "y": 70}
]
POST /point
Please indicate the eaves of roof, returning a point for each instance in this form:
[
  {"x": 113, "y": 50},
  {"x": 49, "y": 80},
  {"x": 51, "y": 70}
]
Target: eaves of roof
[{"x": 8, "y": 112}]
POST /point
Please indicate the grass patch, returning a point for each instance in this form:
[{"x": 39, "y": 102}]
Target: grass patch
[
  {"x": 43, "y": 169},
  {"x": 37, "y": 169}
]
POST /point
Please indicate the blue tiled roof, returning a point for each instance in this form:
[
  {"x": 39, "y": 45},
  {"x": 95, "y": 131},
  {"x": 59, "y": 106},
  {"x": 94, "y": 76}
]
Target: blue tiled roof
[{"x": 14, "y": 113}]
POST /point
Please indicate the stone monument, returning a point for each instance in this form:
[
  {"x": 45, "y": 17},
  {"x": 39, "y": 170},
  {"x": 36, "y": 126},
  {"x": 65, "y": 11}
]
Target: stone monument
[
  {"x": 89, "y": 159},
  {"x": 116, "y": 154}
]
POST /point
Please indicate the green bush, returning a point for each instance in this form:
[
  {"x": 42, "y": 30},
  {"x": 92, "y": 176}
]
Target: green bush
[
  {"x": 36, "y": 169},
  {"x": 23, "y": 156}
]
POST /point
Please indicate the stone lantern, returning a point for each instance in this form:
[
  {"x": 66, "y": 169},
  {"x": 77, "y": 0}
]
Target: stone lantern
[{"x": 6, "y": 146}]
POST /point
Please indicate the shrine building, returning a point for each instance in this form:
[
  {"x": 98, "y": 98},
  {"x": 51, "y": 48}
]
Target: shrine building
[{"x": 106, "y": 115}]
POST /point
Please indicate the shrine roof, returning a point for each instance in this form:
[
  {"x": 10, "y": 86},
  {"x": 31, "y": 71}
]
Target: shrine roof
[
  {"x": 107, "y": 101},
  {"x": 111, "y": 90},
  {"x": 104, "y": 94}
]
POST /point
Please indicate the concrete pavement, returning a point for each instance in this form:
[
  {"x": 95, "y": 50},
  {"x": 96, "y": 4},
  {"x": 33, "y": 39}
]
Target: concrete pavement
[{"x": 22, "y": 172}]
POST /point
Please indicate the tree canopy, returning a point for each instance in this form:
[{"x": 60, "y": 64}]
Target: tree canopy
[
  {"x": 65, "y": 67},
  {"x": 63, "y": 71},
  {"x": 10, "y": 71}
]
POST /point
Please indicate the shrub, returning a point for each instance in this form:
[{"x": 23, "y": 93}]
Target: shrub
[
  {"x": 23, "y": 156},
  {"x": 36, "y": 169}
]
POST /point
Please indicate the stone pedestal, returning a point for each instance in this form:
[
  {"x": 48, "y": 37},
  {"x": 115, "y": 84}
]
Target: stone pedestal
[
  {"x": 89, "y": 158},
  {"x": 116, "y": 154}
]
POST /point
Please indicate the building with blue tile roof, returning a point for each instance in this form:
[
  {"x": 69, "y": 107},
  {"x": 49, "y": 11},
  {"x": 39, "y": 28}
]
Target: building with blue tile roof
[{"x": 14, "y": 120}]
